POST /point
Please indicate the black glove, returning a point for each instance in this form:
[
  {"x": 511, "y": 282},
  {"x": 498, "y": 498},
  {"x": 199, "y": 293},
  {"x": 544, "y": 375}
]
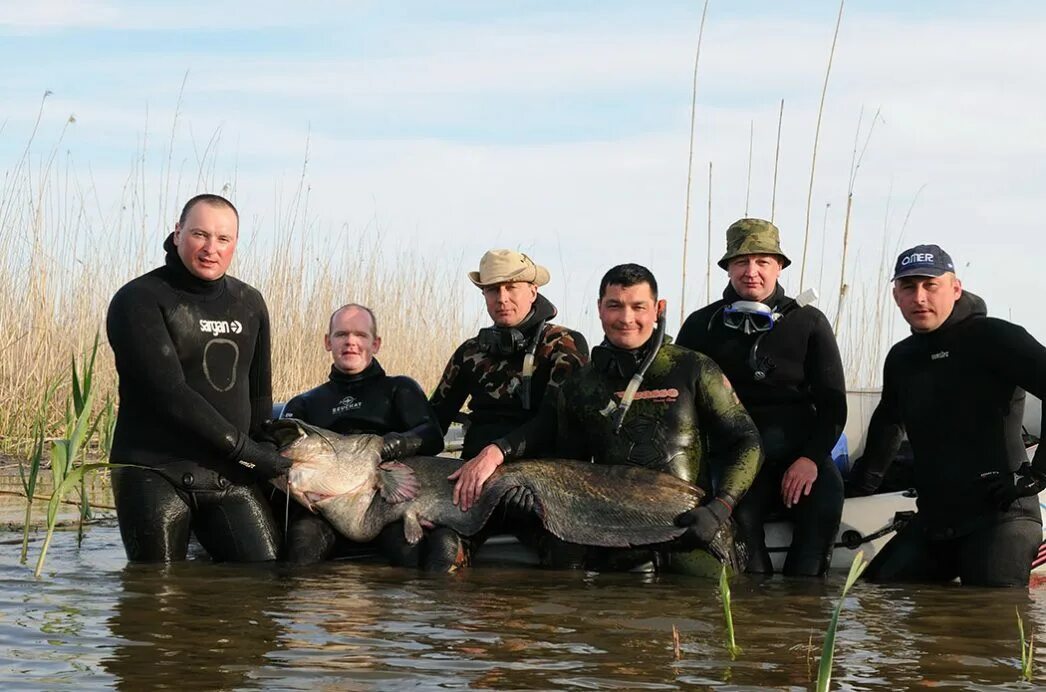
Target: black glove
[
  {"x": 704, "y": 522},
  {"x": 518, "y": 501},
  {"x": 263, "y": 459},
  {"x": 398, "y": 446},
  {"x": 1002, "y": 488}
]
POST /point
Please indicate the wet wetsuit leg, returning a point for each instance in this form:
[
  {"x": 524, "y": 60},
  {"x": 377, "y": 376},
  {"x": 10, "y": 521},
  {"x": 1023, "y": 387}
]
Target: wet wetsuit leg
[
  {"x": 815, "y": 523},
  {"x": 1000, "y": 555},
  {"x": 393, "y": 545},
  {"x": 155, "y": 518},
  {"x": 236, "y": 524},
  {"x": 911, "y": 556},
  {"x": 750, "y": 515},
  {"x": 310, "y": 537}
]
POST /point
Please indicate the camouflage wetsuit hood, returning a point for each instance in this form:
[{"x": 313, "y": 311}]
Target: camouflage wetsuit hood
[{"x": 487, "y": 370}]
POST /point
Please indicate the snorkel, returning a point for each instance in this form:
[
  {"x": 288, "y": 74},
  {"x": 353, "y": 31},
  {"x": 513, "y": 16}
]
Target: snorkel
[{"x": 618, "y": 412}]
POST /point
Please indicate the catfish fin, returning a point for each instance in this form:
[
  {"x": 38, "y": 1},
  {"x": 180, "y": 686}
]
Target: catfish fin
[
  {"x": 397, "y": 482},
  {"x": 412, "y": 530}
]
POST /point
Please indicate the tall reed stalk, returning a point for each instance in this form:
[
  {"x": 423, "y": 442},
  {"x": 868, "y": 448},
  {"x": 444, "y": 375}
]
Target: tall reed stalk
[
  {"x": 817, "y": 136},
  {"x": 690, "y": 163}
]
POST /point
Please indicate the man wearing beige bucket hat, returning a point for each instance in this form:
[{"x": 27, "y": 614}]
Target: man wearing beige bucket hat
[
  {"x": 781, "y": 355},
  {"x": 506, "y": 370}
]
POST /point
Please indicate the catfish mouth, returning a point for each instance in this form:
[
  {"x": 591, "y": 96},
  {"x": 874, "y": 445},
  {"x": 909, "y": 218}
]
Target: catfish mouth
[{"x": 284, "y": 432}]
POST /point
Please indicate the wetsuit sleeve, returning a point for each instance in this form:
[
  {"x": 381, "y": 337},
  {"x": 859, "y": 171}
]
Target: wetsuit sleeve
[
  {"x": 569, "y": 353},
  {"x": 733, "y": 437},
  {"x": 823, "y": 369},
  {"x": 885, "y": 434},
  {"x": 418, "y": 420},
  {"x": 452, "y": 391},
  {"x": 297, "y": 408},
  {"x": 261, "y": 372},
  {"x": 146, "y": 355},
  {"x": 1015, "y": 354},
  {"x": 535, "y": 437}
]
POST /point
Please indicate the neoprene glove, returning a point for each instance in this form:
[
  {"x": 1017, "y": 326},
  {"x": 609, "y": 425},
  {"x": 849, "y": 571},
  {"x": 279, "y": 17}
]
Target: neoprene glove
[
  {"x": 263, "y": 459},
  {"x": 519, "y": 500},
  {"x": 398, "y": 445},
  {"x": 1003, "y": 488},
  {"x": 704, "y": 522}
]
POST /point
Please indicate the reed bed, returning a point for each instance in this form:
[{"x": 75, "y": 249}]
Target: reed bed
[{"x": 64, "y": 252}]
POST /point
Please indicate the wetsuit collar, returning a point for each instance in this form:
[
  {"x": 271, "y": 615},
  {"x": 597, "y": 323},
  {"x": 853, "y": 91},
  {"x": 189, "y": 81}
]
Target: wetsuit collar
[
  {"x": 183, "y": 279},
  {"x": 371, "y": 371},
  {"x": 506, "y": 341},
  {"x": 608, "y": 358}
]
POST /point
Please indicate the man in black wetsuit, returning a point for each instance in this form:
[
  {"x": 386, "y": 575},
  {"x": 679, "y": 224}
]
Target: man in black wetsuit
[
  {"x": 646, "y": 402},
  {"x": 950, "y": 386},
  {"x": 192, "y": 355},
  {"x": 360, "y": 398},
  {"x": 784, "y": 362}
]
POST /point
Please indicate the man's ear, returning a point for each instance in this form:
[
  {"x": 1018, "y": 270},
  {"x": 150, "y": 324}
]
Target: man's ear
[
  {"x": 326, "y": 342},
  {"x": 894, "y": 293},
  {"x": 661, "y": 305},
  {"x": 377, "y": 344},
  {"x": 958, "y": 288}
]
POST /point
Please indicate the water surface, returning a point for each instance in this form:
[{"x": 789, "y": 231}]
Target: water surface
[{"x": 94, "y": 622}]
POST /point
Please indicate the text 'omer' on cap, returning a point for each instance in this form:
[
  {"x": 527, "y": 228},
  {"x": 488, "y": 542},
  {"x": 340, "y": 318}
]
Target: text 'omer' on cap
[{"x": 923, "y": 260}]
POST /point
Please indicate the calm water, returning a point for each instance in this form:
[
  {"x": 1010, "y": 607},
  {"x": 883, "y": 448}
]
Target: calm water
[{"x": 93, "y": 622}]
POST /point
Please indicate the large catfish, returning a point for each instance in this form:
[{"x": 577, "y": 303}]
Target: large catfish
[{"x": 343, "y": 478}]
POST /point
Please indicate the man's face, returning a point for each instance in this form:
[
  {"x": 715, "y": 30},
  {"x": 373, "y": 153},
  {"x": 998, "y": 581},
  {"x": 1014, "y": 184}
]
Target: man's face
[
  {"x": 508, "y": 304},
  {"x": 628, "y": 314},
  {"x": 926, "y": 301},
  {"x": 207, "y": 240},
  {"x": 754, "y": 277},
  {"x": 351, "y": 341}
]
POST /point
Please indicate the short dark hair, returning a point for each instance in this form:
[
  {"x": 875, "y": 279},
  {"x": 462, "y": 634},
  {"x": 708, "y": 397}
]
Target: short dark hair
[
  {"x": 364, "y": 308},
  {"x": 211, "y": 200},
  {"x": 628, "y": 275}
]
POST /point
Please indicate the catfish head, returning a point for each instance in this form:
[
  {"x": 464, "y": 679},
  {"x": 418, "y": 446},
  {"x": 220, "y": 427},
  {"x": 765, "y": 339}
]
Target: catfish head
[{"x": 326, "y": 464}]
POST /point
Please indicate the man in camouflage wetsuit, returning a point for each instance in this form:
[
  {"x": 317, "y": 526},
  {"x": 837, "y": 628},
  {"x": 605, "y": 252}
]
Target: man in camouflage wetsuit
[
  {"x": 684, "y": 419},
  {"x": 506, "y": 370}
]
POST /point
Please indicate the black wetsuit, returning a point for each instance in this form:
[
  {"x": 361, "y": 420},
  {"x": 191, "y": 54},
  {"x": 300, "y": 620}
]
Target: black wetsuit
[
  {"x": 193, "y": 362},
  {"x": 685, "y": 420},
  {"x": 952, "y": 390},
  {"x": 369, "y": 402},
  {"x": 790, "y": 379},
  {"x": 487, "y": 371}
]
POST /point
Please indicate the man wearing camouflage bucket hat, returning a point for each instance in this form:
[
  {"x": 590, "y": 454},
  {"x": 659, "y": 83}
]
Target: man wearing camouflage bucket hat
[
  {"x": 953, "y": 386},
  {"x": 782, "y": 357},
  {"x": 506, "y": 370}
]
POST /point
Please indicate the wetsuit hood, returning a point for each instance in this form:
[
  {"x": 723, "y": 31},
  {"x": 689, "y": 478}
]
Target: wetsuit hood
[
  {"x": 185, "y": 280},
  {"x": 371, "y": 371},
  {"x": 968, "y": 306}
]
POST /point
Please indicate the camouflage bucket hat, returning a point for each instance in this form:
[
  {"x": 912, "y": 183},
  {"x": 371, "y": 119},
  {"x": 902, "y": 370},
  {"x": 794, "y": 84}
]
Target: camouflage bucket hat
[{"x": 753, "y": 237}]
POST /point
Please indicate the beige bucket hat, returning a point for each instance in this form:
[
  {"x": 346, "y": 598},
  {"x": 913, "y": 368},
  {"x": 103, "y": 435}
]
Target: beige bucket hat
[{"x": 503, "y": 266}]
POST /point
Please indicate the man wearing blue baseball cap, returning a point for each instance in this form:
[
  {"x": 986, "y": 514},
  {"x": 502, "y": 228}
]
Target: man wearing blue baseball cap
[{"x": 951, "y": 387}]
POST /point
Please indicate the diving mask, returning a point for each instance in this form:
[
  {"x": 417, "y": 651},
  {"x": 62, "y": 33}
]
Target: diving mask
[{"x": 750, "y": 316}]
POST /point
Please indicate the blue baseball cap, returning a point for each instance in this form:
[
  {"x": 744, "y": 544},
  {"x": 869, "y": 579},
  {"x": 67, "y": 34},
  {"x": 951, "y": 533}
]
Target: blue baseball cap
[{"x": 923, "y": 260}]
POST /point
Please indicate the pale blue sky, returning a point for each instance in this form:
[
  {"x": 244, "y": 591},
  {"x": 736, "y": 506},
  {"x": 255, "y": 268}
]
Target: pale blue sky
[{"x": 561, "y": 128}]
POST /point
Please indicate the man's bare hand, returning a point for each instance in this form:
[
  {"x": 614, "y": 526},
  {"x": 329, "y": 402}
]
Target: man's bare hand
[
  {"x": 473, "y": 474},
  {"x": 798, "y": 480}
]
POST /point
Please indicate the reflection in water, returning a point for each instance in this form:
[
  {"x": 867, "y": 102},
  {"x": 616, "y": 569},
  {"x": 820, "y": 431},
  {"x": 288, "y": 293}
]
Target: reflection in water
[
  {"x": 193, "y": 626},
  {"x": 95, "y": 623}
]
